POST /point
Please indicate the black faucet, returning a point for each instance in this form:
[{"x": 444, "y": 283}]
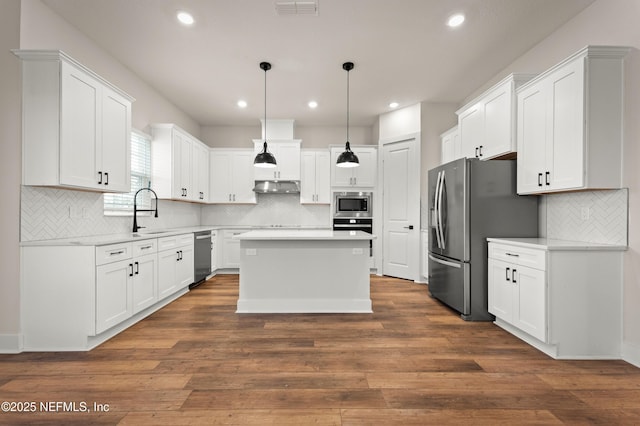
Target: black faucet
[{"x": 135, "y": 208}]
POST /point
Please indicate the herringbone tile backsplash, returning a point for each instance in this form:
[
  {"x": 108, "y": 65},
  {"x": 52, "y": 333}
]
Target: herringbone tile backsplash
[
  {"x": 590, "y": 216},
  {"x": 45, "y": 214}
]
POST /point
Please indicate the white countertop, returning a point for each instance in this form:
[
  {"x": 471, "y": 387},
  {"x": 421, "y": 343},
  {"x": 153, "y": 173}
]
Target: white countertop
[
  {"x": 145, "y": 234},
  {"x": 303, "y": 234},
  {"x": 551, "y": 244}
]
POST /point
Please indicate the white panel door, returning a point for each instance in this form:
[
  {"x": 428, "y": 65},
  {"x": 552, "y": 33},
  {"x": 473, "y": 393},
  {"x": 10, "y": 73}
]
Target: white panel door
[
  {"x": 113, "y": 283},
  {"x": 401, "y": 211},
  {"x": 145, "y": 282},
  {"x": 115, "y": 142},
  {"x": 530, "y": 312}
]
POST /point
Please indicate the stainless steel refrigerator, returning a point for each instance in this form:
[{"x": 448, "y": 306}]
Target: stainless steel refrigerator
[{"x": 470, "y": 200}]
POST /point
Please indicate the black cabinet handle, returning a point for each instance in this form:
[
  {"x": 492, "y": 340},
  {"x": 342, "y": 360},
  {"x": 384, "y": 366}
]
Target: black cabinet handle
[
  {"x": 508, "y": 278},
  {"x": 539, "y": 179},
  {"x": 547, "y": 175},
  {"x": 476, "y": 152},
  {"x": 100, "y": 180},
  {"x": 131, "y": 270},
  {"x": 106, "y": 178},
  {"x": 480, "y": 150},
  {"x": 408, "y": 227},
  {"x": 137, "y": 268},
  {"x": 513, "y": 276}
]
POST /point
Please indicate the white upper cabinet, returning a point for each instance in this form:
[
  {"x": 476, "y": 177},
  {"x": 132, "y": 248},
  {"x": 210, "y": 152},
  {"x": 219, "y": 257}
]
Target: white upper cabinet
[
  {"x": 232, "y": 176},
  {"x": 76, "y": 125},
  {"x": 450, "y": 141},
  {"x": 315, "y": 177},
  {"x": 569, "y": 126},
  {"x": 178, "y": 171},
  {"x": 287, "y": 154},
  {"x": 363, "y": 176},
  {"x": 486, "y": 125}
]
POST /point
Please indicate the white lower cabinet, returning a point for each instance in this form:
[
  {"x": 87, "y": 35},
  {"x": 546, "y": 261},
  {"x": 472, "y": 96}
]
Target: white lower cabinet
[
  {"x": 230, "y": 249},
  {"x": 75, "y": 297},
  {"x": 564, "y": 298},
  {"x": 175, "y": 264}
]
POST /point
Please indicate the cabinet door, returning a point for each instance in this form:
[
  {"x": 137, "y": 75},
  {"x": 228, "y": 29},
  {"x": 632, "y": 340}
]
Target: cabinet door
[
  {"x": 115, "y": 142},
  {"x": 365, "y": 174},
  {"x": 200, "y": 172},
  {"x": 500, "y": 291},
  {"x": 498, "y": 135},
  {"x": 470, "y": 125},
  {"x": 145, "y": 282},
  {"x": 79, "y": 129},
  {"x": 220, "y": 179},
  {"x": 167, "y": 283},
  {"x": 181, "y": 166},
  {"x": 243, "y": 179},
  {"x": 532, "y": 139},
  {"x": 307, "y": 177},
  {"x": 184, "y": 267},
  {"x": 530, "y": 313},
  {"x": 113, "y": 298},
  {"x": 231, "y": 250},
  {"x": 288, "y": 161},
  {"x": 566, "y": 112},
  {"x": 323, "y": 184}
]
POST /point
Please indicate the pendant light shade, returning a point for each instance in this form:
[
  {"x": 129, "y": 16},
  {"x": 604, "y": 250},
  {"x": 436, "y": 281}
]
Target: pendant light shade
[
  {"x": 347, "y": 158},
  {"x": 265, "y": 159}
]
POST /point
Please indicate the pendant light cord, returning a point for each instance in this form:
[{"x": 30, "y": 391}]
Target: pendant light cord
[{"x": 347, "y": 105}]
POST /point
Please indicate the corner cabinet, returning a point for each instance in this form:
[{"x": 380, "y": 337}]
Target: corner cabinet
[
  {"x": 180, "y": 165},
  {"x": 569, "y": 126},
  {"x": 564, "y": 298},
  {"x": 315, "y": 173},
  {"x": 75, "y": 297},
  {"x": 76, "y": 125},
  {"x": 287, "y": 154},
  {"x": 363, "y": 176},
  {"x": 486, "y": 125},
  {"x": 232, "y": 176}
]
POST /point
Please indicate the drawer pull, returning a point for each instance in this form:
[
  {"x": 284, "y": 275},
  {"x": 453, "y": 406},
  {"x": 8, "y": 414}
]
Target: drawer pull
[
  {"x": 115, "y": 253},
  {"x": 146, "y": 247},
  {"x": 513, "y": 254}
]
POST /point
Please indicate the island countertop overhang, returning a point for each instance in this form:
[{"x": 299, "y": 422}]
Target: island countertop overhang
[{"x": 303, "y": 235}]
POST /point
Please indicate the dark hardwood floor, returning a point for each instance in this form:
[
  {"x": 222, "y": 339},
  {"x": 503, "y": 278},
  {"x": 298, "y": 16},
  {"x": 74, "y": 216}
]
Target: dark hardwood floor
[{"x": 411, "y": 362}]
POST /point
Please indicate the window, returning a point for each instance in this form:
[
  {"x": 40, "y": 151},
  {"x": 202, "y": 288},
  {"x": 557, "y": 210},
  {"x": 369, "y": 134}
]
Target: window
[{"x": 122, "y": 204}]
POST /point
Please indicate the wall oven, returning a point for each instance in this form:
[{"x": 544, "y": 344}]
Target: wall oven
[{"x": 352, "y": 204}]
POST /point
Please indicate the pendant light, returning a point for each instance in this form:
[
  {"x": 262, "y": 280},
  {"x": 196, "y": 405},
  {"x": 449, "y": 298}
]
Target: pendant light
[
  {"x": 347, "y": 158},
  {"x": 264, "y": 158}
]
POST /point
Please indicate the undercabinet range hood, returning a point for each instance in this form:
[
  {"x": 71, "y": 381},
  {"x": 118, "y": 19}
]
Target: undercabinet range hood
[{"x": 277, "y": 187}]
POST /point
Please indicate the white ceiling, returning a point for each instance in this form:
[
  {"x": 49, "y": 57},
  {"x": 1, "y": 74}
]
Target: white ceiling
[{"x": 402, "y": 51}]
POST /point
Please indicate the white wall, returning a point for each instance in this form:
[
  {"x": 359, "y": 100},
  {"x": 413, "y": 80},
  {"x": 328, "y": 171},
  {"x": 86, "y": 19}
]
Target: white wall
[
  {"x": 608, "y": 22},
  {"x": 10, "y": 176}
]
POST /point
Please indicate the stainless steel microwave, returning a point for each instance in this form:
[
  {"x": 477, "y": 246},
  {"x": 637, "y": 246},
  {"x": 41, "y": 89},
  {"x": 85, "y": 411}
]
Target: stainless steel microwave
[{"x": 352, "y": 204}]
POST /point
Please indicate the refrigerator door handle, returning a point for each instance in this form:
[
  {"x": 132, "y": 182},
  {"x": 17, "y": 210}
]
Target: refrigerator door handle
[
  {"x": 440, "y": 224},
  {"x": 436, "y": 205},
  {"x": 445, "y": 263}
]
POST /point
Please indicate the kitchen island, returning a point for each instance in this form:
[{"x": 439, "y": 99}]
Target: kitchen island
[{"x": 304, "y": 271}]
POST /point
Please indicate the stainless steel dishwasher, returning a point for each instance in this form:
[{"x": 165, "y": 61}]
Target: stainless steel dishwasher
[{"x": 202, "y": 257}]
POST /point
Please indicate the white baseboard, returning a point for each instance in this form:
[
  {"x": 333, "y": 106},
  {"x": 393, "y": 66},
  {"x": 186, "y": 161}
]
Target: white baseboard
[
  {"x": 631, "y": 353},
  {"x": 10, "y": 343}
]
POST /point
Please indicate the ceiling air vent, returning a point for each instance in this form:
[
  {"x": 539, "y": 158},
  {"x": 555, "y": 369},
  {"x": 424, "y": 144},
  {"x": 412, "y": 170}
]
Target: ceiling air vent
[{"x": 288, "y": 8}]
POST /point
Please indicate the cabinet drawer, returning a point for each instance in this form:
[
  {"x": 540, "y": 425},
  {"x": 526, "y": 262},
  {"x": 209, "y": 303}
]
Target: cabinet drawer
[
  {"x": 113, "y": 253},
  {"x": 140, "y": 248},
  {"x": 174, "y": 241},
  {"x": 518, "y": 255}
]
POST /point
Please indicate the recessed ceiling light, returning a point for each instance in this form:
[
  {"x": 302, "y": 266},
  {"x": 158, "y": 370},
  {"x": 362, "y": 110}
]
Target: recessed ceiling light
[
  {"x": 455, "y": 20},
  {"x": 242, "y": 104},
  {"x": 312, "y": 104},
  {"x": 393, "y": 105},
  {"x": 185, "y": 18}
]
